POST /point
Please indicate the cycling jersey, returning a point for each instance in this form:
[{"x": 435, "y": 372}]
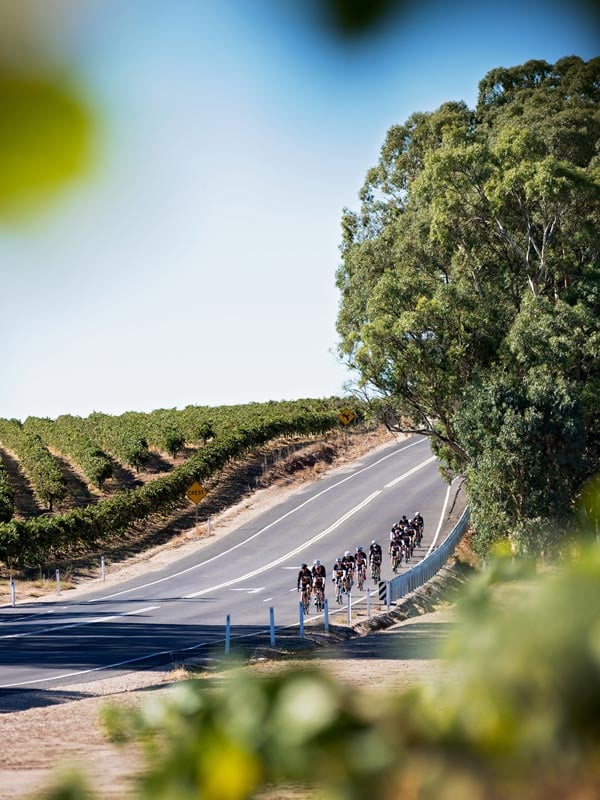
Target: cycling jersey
[
  {"x": 304, "y": 577},
  {"x": 375, "y": 552},
  {"x": 348, "y": 563}
]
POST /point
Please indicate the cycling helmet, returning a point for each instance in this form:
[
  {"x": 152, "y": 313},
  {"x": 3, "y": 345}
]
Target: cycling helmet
[
  {"x": 347, "y": 553},
  {"x": 374, "y": 541},
  {"x": 316, "y": 563},
  {"x": 304, "y": 566},
  {"x": 359, "y": 548}
]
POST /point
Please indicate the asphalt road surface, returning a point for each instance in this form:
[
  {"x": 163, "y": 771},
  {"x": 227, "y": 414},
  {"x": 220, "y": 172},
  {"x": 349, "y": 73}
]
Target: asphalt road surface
[{"x": 183, "y": 608}]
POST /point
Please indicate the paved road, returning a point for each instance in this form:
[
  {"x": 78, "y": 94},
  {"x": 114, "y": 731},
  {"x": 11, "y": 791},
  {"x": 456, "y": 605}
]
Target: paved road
[{"x": 183, "y": 608}]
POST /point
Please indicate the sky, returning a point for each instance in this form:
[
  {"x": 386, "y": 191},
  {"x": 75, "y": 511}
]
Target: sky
[{"x": 195, "y": 263}]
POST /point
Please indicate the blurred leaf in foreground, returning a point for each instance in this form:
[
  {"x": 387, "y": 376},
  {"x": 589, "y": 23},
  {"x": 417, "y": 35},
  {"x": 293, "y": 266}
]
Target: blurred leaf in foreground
[
  {"x": 45, "y": 139},
  {"x": 516, "y": 715}
]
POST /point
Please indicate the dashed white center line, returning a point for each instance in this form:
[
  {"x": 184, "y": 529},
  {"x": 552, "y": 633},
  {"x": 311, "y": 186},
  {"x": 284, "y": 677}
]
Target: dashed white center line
[{"x": 410, "y": 472}]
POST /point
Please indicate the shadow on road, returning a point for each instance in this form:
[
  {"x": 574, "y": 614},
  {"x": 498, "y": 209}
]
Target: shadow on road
[{"x": 418, "y": 641}]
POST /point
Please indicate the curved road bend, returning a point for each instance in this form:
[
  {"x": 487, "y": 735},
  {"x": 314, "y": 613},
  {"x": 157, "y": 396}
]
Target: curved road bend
[{"x": 183, "y": 608}]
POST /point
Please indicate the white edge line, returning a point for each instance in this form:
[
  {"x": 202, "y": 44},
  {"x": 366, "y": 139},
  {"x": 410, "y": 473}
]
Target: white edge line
[{"x": 441, "y": 522}]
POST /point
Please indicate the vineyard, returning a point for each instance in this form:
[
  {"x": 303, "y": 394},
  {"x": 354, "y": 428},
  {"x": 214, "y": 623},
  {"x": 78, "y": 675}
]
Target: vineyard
[{"x": 81, "y": 475}]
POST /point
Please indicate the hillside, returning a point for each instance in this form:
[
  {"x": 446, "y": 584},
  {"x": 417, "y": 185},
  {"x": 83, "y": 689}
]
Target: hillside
[
  {"x": 244, "y": 487},
  {"x": 72, "y": 488}
]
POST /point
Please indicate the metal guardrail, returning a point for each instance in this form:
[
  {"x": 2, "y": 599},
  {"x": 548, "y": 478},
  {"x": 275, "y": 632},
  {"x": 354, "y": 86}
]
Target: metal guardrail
[{"x": 408, "y": 581}]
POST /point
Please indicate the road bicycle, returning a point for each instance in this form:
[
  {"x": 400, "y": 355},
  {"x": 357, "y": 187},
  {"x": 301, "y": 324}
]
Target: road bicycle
[
  {"x": 339, "y": 591},
  {"x": 360, "y": 576},
  {"x": 306, "y": 598},
  {"x": 347, "y": 582},
  {"x": 319, "y": 598},
  {"x": 375, "y": 571},
  {"x": 396, "y": 558}
]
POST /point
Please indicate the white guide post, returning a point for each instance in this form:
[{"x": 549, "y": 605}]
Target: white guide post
[
  {"x": 227, "y": 634},
  {"x": 272, "y": 625}
]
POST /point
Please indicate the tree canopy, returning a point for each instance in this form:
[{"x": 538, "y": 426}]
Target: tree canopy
[{"x": 470, "y": 288}]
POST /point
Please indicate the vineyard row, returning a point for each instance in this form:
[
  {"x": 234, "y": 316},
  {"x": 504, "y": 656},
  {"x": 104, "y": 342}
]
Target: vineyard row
[{"x": 229, "y": 432}]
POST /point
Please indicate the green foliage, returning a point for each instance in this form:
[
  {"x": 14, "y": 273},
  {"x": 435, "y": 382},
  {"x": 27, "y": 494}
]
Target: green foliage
[
  {"x": 39, "y": 464},
  {"x": 205, "y": 431},
  {"x": 69, "y": 435},
  {"x": 123, "y": 436},
  {"x": 526, "y": 444},
  {"x": 470, "y": 288},
  {"x": 173, "y": 440},
  {"x": 7, "y": 496},
  {"x": 237, "y": 429}
]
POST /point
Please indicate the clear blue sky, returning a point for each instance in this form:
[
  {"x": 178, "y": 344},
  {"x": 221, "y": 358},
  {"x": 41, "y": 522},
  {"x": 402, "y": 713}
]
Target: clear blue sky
[{"x": 196, "y": 264}]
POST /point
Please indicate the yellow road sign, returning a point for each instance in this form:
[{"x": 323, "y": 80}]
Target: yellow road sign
[
  {"x": 346, "y": 416},
  {"x": 196, "y": 492}
]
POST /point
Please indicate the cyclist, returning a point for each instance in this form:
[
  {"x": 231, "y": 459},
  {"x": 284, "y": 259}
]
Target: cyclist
[
  {"x": 419, "y": 524},
  {"x": 304, "y": 576},
  {"x": 319, "y": 591},
  {"x": 408, "y": 543},
  {"x": 396, "y": 554},
  {"x": 375, "y": 551},
  {"x": 305, "y": 580},
  {"x": 395, "y": 534},
  {"x": 318, "y": 570},
  {"x": 375, "y": 556},
  {"x": 360, "y": 559},
  {"x": 349, "y": 565},
  {"x": 338, "y": 573}
]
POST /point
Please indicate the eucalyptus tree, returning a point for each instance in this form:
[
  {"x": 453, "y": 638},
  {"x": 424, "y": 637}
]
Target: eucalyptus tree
[{"x": 471, "y": 271}]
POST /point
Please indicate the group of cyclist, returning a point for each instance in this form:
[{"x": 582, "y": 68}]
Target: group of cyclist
[
  {"x": 312, "y": 581},
  {"x": 405, "y": 535}
]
